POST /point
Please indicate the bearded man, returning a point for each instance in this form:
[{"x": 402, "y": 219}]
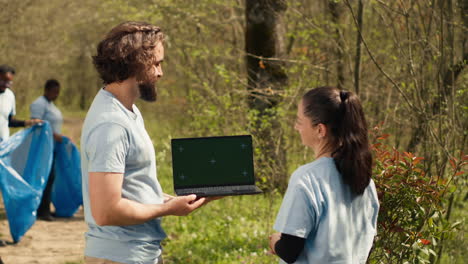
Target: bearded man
[{"x": 123, "y": 200}]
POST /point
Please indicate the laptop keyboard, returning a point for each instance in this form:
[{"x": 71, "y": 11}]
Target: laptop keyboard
[{"x": 218, "y": 189}]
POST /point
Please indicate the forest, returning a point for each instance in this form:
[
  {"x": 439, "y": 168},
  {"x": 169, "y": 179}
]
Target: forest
[{"x": 237, "y": 67}]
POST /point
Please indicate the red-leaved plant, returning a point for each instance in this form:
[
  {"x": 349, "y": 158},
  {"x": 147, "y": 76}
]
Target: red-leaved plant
[{"x": 410, "y": 219}]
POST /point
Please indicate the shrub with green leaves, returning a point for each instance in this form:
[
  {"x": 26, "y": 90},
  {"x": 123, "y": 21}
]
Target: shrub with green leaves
[{"x": 411, "y": 221}]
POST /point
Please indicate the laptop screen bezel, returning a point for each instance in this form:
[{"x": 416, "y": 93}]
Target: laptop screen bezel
[{"x": 252, "y": 182}]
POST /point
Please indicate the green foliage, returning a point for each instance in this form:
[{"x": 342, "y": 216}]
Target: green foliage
[
  {"x": 204, "y": 93},
  {"x": 411, "y": 218}
]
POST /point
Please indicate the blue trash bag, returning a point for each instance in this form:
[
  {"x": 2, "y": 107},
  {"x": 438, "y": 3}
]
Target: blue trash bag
[
  {"x": 25, "y": 164},
  {"x": 66, "y": 191}
]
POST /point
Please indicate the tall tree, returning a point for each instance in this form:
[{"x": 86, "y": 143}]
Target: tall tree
[
  {"x": 357, "y": 63},
  {"x": 336, "y": 14},
  {"x": 265, "y": 46}
]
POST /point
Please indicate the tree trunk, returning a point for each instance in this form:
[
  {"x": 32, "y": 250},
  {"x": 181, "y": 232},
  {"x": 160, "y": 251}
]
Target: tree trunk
[
  {"x": 357, "y": 63},
  {"x": 335, "y": 12},
  {"x": 264, "y": 40},
  {"x": 449, "y": 74}
]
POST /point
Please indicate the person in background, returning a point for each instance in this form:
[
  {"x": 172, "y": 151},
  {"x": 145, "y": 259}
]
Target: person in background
[
  {"x": 45, "y": 109},
  {"x": 329, "y": 212},
  {"x": 8, "y": 104}
]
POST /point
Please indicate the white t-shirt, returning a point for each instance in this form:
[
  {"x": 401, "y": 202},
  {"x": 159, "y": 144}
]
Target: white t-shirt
[
  {"x": 7, "y": 108},
  {"x": 339, "y": 227},
  {"x": 41, "y": 108}
]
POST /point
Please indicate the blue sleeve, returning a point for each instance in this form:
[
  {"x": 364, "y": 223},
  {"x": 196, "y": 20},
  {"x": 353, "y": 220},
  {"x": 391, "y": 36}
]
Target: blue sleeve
[
  {"x": 106, "y": 148},
  {"x": 299, "y": 212},
  {"x": 37, "y": 110}
]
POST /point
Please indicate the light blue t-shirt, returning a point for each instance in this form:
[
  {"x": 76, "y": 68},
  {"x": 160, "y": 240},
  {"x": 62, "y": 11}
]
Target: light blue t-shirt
[
  {"x": 43, "y": 109},
  {"x": 114, "y": 139},
  {"x": 339, "y": 227}
]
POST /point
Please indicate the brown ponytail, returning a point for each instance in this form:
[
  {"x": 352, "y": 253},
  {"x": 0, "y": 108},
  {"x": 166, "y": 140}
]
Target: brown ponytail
[{"x": 342, "y": 113}]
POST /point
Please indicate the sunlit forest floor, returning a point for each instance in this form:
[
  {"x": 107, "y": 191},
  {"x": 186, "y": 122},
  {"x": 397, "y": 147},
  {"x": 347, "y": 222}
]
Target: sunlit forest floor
[{"x": 58, "y": 242}]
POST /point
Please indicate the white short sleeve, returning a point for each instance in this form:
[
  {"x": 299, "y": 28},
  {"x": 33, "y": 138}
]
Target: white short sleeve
[
  {"x": 298, "y": 214},
  {"x": 107, "y": 147}
]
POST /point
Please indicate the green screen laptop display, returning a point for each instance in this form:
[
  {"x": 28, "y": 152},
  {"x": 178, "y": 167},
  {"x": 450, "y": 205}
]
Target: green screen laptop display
[{"x": 215, "y": 161}]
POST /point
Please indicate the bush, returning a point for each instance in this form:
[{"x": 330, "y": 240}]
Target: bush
[{"x": 411, "y": 219}]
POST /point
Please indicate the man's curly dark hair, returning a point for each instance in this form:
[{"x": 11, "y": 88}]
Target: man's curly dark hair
[{"x": 127, "y": 51}]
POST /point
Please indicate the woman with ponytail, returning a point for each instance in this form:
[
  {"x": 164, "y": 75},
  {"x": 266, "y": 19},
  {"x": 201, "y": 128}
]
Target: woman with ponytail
[{"x": 329, "y": 211}]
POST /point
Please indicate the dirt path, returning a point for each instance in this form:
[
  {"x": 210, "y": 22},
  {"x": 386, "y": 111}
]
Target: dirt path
[
  {"x": 57, "y": 242},
  {"x": 72, "y": 128}
]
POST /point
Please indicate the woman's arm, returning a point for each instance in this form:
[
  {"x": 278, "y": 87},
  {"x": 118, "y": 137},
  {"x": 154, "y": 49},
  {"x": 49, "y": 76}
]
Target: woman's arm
[
  {"x": 287, "y": 247},
  {"x": 12, "y": 122}
]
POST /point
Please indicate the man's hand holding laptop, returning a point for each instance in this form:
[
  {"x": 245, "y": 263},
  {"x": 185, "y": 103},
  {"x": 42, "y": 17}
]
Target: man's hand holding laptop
[{"x": 183, "y": 205}]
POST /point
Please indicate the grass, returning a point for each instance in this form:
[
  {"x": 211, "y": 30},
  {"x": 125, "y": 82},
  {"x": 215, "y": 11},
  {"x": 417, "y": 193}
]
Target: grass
[
  {"x": 456, "y": 248},
  {"x": 231, "y": 230}
]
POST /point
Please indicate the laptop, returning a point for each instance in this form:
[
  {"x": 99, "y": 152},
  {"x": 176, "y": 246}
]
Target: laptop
[{"x": 213, "y": 166}]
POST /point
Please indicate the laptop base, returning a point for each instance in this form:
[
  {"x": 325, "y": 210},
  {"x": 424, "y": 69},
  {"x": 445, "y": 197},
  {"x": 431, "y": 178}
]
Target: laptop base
[{"x": 220, "y": 191}]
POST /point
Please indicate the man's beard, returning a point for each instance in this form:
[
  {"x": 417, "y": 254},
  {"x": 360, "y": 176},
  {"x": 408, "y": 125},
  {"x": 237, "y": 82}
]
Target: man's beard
[{"x": 148, "y": 91}]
